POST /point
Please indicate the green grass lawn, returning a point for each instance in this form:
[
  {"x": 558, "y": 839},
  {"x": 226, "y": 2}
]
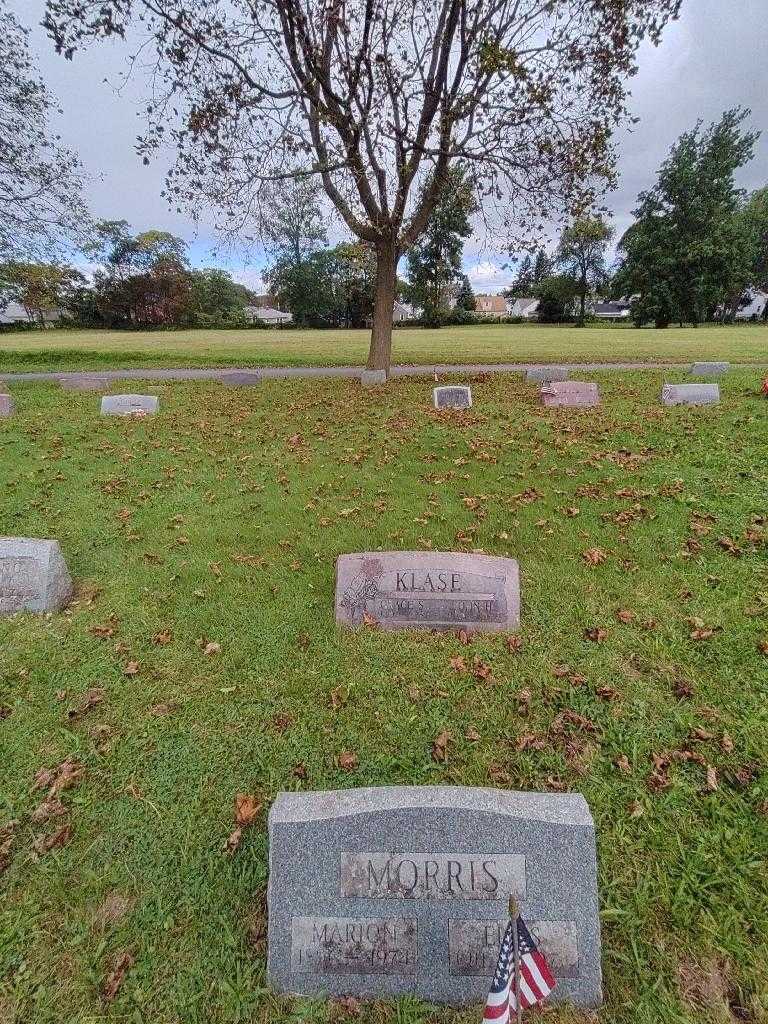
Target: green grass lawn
[
  {"x": 67, "y": 350},
  {"x": 218, "y": 522}
]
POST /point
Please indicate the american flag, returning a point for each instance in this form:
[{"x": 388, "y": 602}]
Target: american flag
[{"x": 536, "y": 981}]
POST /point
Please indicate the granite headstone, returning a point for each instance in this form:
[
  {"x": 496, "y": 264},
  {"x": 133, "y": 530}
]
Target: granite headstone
[
  {"x": 428, "y": 590},
  {"x": 547, "y": 374},
  {"x": 690, "y": 394},
  {"x": 452, "y": 397},
  {"x": 572, "y": 393},
  {"x": 710, "y": 369},
  {"x": 83, "y": 383},
  {"x": 33, "y": 576},
  {"x": 369, "y": 378},
  {"x": 404, "y": 890},
  {"x": 7, "y": 406},
  {"x": 240, "y": 378},
  {"x": 129, "y": 405}
]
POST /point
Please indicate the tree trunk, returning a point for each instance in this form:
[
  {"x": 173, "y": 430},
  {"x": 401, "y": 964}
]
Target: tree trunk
[{"x": 380, "y": 353}]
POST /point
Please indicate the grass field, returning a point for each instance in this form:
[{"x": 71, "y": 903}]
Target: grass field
[
  {"x": 200, "y": 660},
  {"x": 66, "y": 350}
]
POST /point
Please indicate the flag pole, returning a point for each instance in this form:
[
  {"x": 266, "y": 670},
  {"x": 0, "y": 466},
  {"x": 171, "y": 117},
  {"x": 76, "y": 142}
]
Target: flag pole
[{"x": 514, "y": 916}]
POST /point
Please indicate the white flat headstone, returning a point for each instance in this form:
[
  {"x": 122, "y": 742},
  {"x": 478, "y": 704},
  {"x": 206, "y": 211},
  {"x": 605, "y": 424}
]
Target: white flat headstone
[
  {"x": 404, "y": 890},
  {"x": 547, "y": 374},
  {"x": 369, "y": 378},
  {"x": 7, "y": 406},
  {"x": 690, "y": 394},
  {"x": 452, "y": 397},
  {"x": 428, "y": 590},
  {"x": 129, "y": 405},
  {"x": 571, "y": 393},
  {"x": 710, "y": 369},
  {"x": 33, "y": 576}
]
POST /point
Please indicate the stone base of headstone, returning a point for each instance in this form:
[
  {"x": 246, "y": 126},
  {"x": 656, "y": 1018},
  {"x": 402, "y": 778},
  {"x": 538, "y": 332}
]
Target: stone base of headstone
[
  {"x": 403, "y": 890},
  {"x": 710, "y": 369},
  {"x": 129, "y": 405},
  {"x": 7, "y": 406},
  {"x": 452, "y": 397},
  {"x": 83, "y": 383},
  {"x": 570, "y": 393},
  {"x": 690, "y": 394},
  {"x": 439, "y": 590},
  {"x": 237, "y": 379},
  {"x": 33, "y": 576},
  {"x": 547, "y": 374},
  {"x": 370, "y": 378}
]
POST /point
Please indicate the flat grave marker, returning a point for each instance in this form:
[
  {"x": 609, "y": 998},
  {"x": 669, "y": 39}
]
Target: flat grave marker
[
  {"x": 574, "y": 394},
  {"x": 33, "y": 576},
  {"x": 428, "y": 590},
  {"x": 547, "y": 374},
  {"x": 83, "y": 383},
  {"x": 710, "y": 369},
  {"x": 238, "y": 379},
  {"x": 129, "y": 405},
  {"x": 452, "y": 397},
  {"x": 7, "y": 406},
  {"x": 370, "y": 378},
  {"x": 690, "y": 394},
  {"x": 403, "y": 890}
]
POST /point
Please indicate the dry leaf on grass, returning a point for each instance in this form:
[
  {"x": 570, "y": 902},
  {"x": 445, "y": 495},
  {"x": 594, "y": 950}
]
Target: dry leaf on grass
[
  {"x": 622, "y": 763},
  {"x": 596, "y": 634},
  {"x": 440, "y": 746},
  {"x": 114, "y": 980},
  {"x": 514, "y": 643},
  {"x": 91, "y": 698},
  {"x": 348, "y": 761},
  {"x": 594, "y": 556},
  {"x": 57, "y": 839},
  {"x": 164, "y": 637},
  {"x": 131, "y": 669},
  {"x": 212, "y": 647},
  {"x": 458, "y": 664},
  {"x": 247, "y": 808},
  {"x": 625, "y": 615}
]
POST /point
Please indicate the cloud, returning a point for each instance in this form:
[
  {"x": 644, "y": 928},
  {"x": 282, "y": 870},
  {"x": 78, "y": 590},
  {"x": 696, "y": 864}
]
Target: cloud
[{"x": 487, "y": 275}]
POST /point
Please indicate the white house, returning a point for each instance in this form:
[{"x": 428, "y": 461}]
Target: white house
[
  {"x": 755, "y": 308},
  {"x": 268, "y": 315},
  {"x": 612, "y": 310},
  {"x": 528, "y": 309},
  {"x": 15, "y": 313},
  {"x": 402, "y": 311}
]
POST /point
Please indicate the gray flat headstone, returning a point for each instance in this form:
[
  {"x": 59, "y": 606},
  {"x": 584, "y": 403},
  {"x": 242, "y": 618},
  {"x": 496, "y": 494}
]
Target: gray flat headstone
[
  {"x": 546, "y": 374},
  {"x": 404, "y": 890},
  {"x": 129, "y": 405},
  {"x": 241, "y": 379},
  {"x": 33, "y": 576},
  {"x": 428, "y": 590},
  {"x": 7, "y": 406},
  {"x": 572, "y": 393},
  {"x": 83, "y": 383},
  {"x": 710, "y": 369},
  {"x": 368, "y": 378},
  {"x": 690, "y": 394},
  {"x": 452, "y": 397}
]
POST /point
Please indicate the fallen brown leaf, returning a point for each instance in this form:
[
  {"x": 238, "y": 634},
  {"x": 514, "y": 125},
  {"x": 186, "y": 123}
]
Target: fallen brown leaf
[
  {"x": 622, "y": 763},
  {"x": 458, "y": 664},
  {"x": 212, "y": 647},
  {"x": 114, "y": 980},
  {"x": 247, "y": 808},
  {"x": 92, "y": 697},
  {"x": 57, "y": 839},
  {"x": 596, "y": 633},
  {"x": 440, "y": 746},
  {"x": 164, "y": 637},
  {"x": 625, "y": 616},
  {"x": 514, "y": 643},
  {"x": 348, "y": 761},
  {"x": 131, "y": 669},
  {"x": 594, "y": 556}
]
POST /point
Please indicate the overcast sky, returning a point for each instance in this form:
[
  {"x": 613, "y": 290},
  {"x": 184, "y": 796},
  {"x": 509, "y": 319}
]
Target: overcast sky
[{"x": 713, "y": 58}]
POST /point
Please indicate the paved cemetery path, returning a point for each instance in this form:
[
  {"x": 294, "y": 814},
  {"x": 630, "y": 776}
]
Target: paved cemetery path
[{"x": 282, "y": 372}]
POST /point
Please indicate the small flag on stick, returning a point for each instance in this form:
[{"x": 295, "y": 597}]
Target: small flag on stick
[{"x": 522, "y": 977}]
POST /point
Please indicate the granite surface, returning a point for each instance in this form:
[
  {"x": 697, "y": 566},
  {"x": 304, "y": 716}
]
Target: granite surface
[
  {"x": 690, "y": 394},
  {"x": 369, "y": 378},
  {"x": 710, "y": 369},
  {"x": 571, "y": 393},
  {"x": 423, "y": 910},
  {"x": 452, "y": 397},
  {"x": 428, "y": 590},
  {"x": 129, "y": 405},
  {"x": 33, "y": 576},
  {"x": 7, "y": 406},
  {"x": 547, "y": 374}
]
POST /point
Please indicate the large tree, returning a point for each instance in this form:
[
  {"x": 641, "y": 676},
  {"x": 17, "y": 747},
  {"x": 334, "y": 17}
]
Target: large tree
[
  {"x": 375, "y": 98},
  {"x": 685, "y": 253},
  {"x": 581, "y": 255},
  {"x": 41, "y": 207},
  {"x": 41, "y": 288}
]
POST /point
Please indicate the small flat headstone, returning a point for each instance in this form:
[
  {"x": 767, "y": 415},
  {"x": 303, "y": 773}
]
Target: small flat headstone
[
  {"x": 7, "y": 406},
  {"x": 547, "y": 374},
  {"x": 690, "y": 394},
  {"x": 710, "y": 369},
  {"x": 371, "y": 377},
  {"x": 33, "y": 576},
  {"x": 452, "y": 397},
  {"x": 129, "y": 405},
  {"x": 83, "y": 383},
  {"x": 428, "y": 590},
  {"x": 572, "y": 393},
  {"x": 240, "y": 379},
  {"x": 403, "y": 890}
]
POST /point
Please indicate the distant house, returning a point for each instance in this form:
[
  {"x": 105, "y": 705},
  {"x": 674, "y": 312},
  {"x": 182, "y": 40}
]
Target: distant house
[
  {"x": 403, "y": 311},
  {"x": 619, "y": 310},
  {"x": 268, "y": 315},
  {"x": 15, "y": 313},
  {"x": 755, "y": 307},
  {"x": 490, "y": 306},
  {"x": 528, "y": 309}
]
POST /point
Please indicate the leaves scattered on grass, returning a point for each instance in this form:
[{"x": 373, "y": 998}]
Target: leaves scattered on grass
[
  {"x": 91, "y": 699},
  {"x": 69, "y": 773},
  {"x": 57, "y": 839},
  {"x": 594, "y": 556},
  {"x": 121, "y": 964},
  {"x": 597, "y": 634},
  {"x": 347, "y": 761}
]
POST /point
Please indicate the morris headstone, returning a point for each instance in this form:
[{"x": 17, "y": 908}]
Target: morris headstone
[
  {"x": 404, "y": 890},
  {"x": 428, "y": 590},
  {"x": 690, "y": 394},
  {"x": 452, "y": 397},
  {"x": 83, "y": 383},
  {"x": 7, "y": 406},
  {"x": 710, "y": 369},
  {"x": 547, "y": 374},
  {"x": 33, "y": 576},
  {"x": 369, "y": 378},
  {"x": 238, "y": 379},
  {"x": 129, "y": 405},
  {"x": 571, "y": 393}
]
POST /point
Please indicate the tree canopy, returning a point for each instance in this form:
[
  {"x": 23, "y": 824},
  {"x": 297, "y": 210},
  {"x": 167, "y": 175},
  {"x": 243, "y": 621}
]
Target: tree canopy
[
  {"x": 581, "y": 255},
  {"x": 377, "y": 99}
]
